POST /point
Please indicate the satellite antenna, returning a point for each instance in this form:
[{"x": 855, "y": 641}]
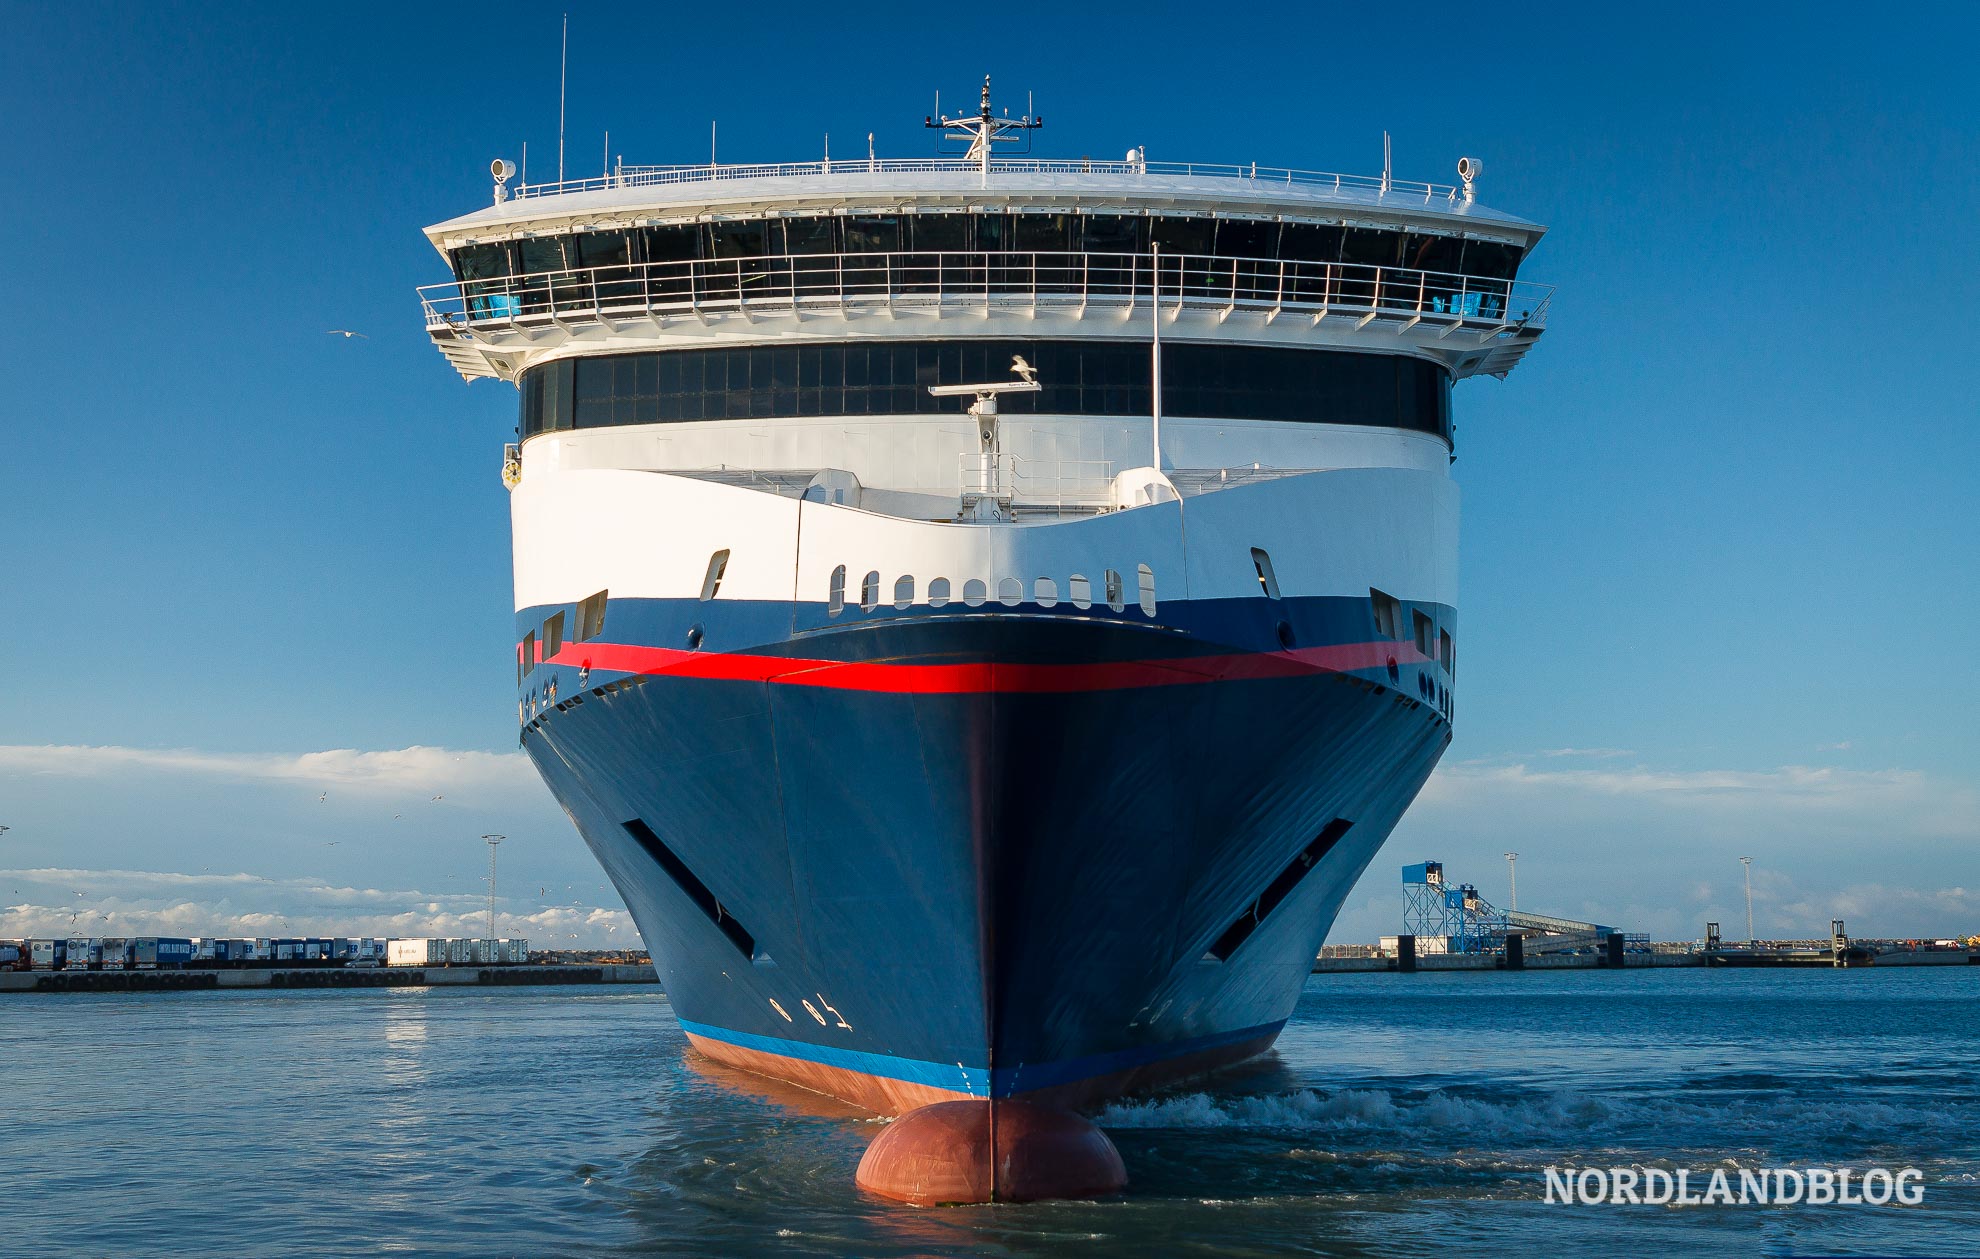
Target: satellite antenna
[
  {"x": 984, "y": 130},
  {"x": 984, "y": 498}
]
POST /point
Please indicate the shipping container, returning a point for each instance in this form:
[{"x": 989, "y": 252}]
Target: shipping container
[
  {"x": 114, "y": 953},
  {"x": 460, "y": 952},
  {"x": 416, "y": 952},
  {"x": 83, "y": 953},
  {"x": 11, "y": 957},
  {"x": 286, "y": 950},
  {"x": 160, "y": 952},
  {"x": 47, "y": 954}
]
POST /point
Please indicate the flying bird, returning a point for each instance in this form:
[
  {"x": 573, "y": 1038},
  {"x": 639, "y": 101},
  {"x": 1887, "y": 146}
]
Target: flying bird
[
  {"x": 321, "y": 796},
  {"x": 346, "y": 333},
  {"x": 439, "y": 797}
]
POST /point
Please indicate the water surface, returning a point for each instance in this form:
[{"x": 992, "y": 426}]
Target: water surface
[{"x": 1399, "y": 1116}]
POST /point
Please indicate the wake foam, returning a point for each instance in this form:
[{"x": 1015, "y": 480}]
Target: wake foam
[
  {"x": 1545, "y": 1116},
  {"x": 1358, "y": 1110}
]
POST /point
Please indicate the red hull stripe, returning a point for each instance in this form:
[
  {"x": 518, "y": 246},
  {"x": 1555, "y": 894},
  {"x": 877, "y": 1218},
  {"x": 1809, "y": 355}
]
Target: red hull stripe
[{"x": 984, "y": 676}]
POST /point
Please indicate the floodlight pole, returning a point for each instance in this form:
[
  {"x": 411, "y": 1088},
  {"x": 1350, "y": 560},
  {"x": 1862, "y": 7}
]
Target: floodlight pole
[
  {"x": 1748, "y": 863},
  {"x": 492, "y": 841}
]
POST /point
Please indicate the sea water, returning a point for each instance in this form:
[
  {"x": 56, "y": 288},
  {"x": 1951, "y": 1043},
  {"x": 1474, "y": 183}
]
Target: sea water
[{"x": 1398, "y": 1115}]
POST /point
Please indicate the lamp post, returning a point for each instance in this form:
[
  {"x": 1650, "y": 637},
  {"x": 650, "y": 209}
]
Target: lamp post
[
  {"x": 1512, "y": 876},
  {"x": 1748, "y": 863},
  {"x": 492, "y": 841}
]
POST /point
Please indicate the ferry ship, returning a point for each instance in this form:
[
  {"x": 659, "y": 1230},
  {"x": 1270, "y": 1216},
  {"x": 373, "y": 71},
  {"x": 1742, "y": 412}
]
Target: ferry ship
[{"x": 984, "y": 611}]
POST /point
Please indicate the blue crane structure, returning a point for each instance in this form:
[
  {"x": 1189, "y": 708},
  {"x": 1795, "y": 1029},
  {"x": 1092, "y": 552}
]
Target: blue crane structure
[{"x": 1468, "y": 923}]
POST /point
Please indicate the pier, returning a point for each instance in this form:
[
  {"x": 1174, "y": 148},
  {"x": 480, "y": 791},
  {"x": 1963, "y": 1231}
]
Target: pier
[{"x": 194, "y": 980}]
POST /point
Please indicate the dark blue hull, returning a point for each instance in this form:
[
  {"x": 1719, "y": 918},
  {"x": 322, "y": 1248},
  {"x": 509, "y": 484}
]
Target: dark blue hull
[{"x": 1005, "y": 855}]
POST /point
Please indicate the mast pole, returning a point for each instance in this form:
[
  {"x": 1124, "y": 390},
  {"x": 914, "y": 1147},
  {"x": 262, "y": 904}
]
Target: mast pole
[{"x": 1155, "y": 391}]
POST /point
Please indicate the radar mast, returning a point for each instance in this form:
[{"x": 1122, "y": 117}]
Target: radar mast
[{"x": 983, "y": 130}]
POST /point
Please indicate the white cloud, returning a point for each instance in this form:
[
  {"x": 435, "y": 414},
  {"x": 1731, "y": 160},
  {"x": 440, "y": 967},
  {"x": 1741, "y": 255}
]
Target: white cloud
[
  {"x": 1907, "y": 797},
  {"x": 59, "y": 901},
  {"x": 432, "y": 770}
]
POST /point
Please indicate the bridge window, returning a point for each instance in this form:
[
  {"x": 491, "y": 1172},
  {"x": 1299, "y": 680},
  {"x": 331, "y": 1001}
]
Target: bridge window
[
  {"x": 1446, "y": 651},
  {"x": 873, "y": 233},
  {"x": 553, "y": 637},
  {"x": 1080, "y": 378},
  {"x": 1423, "y": 637}
]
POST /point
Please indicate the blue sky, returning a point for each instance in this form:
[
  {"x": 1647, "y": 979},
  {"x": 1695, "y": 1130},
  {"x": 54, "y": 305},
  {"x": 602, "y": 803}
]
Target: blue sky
[{"x": 1719, "y": 542}]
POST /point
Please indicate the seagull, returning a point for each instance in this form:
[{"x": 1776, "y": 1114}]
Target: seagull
[
  {"x": 346, "y": 333},
  {"x": 333, "y": 843},
  {"x": 439, "y": 797},
  {"x": 321, "y": 796}
]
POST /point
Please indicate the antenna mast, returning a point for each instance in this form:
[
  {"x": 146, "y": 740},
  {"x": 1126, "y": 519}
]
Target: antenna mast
[
  {"x": 563, "y": 78},
  {"x": 983, "y": 130}
]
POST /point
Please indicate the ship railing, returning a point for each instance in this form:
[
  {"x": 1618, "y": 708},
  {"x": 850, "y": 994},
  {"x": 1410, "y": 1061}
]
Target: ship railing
[
  {"x": 806, "y": 282},
  {"x": 1398, "y": 190},
  {"x": 1061, "y": 485}
]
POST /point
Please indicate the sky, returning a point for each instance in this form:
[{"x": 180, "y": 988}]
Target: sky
[{"x": 1719, "y": 547}]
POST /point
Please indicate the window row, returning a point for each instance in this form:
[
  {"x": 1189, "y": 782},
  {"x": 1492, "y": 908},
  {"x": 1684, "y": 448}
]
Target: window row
[
  {"x": 541, "y": 645},
  {"x": 1233, "y": 382},
  {"x": 1433, "y": 644},
  {"x": 936, "y": 232},
  {"x": 1079, "y": 592}
]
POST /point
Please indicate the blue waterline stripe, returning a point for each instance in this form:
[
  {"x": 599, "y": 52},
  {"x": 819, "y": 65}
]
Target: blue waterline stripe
[{"x": 975, "y": 1081}]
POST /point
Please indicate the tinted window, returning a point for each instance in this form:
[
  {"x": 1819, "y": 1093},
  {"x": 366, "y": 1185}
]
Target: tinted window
[
  {"x": 810, "y": 236},
  {"x": 673, "y": 244},
  {"x": 1310, "y": 242},
  {"x": 482, "y": 262},
  {"x": 601, "y": 249},
  {"x": 941, "y": 233},
  {"x": 739, "y": 240},
  {"x": 1369, "y": 247},
  {"x": 1080, "y": 378},
  {"x": 541, "y": 253},
  {"x": 1184, "y": 236},
  {"x": 1237, "y": 238},
  {"x": 876, "y": 234}
]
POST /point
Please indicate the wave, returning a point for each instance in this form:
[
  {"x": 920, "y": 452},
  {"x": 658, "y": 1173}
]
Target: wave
[{"x": 1543, "y": 1116}]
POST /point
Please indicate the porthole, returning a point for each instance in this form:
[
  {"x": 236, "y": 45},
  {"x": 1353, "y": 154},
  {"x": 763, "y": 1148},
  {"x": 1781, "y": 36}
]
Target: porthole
[{"x": 694, "y": 638}]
